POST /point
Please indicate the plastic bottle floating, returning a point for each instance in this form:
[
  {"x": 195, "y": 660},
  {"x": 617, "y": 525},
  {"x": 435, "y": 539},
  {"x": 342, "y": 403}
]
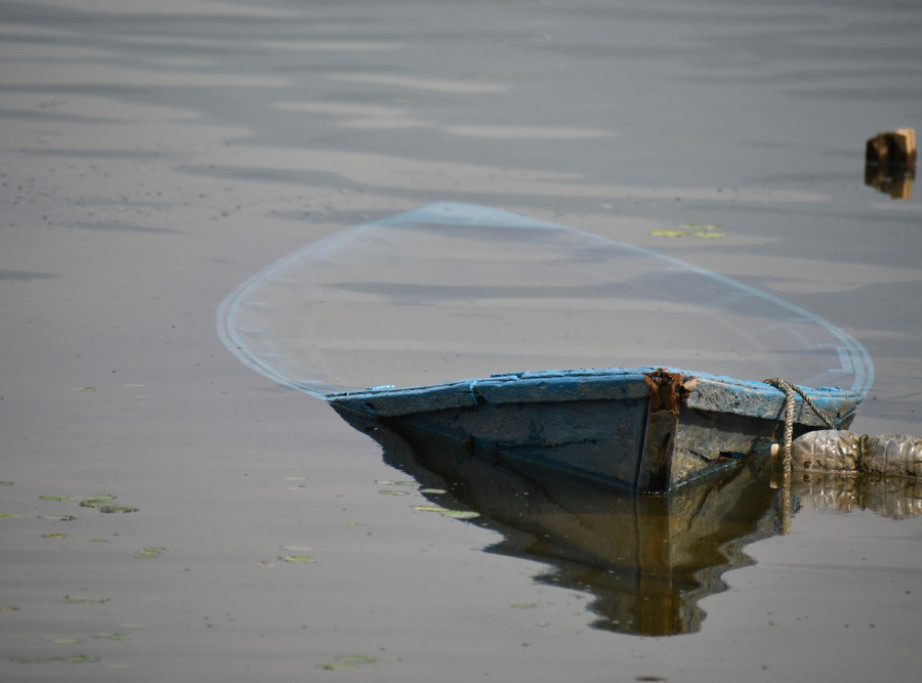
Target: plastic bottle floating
[{"x": 841, "y": 451}]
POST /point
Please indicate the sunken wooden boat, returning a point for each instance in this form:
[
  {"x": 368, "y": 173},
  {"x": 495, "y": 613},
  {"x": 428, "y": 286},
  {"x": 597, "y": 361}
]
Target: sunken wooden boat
[
  {"x": 425, "y": 298},
  {"x": 649, "y": 429}
]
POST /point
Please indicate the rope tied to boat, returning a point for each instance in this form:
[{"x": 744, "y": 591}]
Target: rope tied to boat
[{"x": 791, "y": 391}]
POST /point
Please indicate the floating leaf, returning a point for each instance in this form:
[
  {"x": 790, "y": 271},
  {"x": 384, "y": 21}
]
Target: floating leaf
[
  {"x": 524, "y": 605},
  {"x": 109, "y": 509},
  {"x": 65, "y": 641},
  {"x": 461, "y": 514},
  {"x": 97, "y": 501},
  {"x": 59, "y": 518},
  {"x": 9, "y": 608},
  {"x": 692, "y": 230},
  {"x": 6, "y": 483},
  {"x": 8, "y": 514},
  {"x": 55, "y": 535},
  {"x": 294, "y": 548},
  {"x": 72, "y": 659},
  {"x": 303, "y": 559},
  {"x": 85, "y": 601},
  {"x": 393, "y": 492},
  {"x": 455, "y": 514},
  {"x": 112, "y": 636},
  {"x": 150, "y": 553},
  {"x": 434, "y": 492},
  {"x": 402, "y": 482},
  {"x": 348, "y": 662},
  {"x": 54, "y": 498}
]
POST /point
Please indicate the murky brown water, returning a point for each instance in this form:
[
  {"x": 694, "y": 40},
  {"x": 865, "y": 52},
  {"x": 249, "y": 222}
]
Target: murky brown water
[{"x": 154, "y": 156}]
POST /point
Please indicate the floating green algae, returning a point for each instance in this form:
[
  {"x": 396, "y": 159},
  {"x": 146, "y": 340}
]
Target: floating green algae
[
  {"x": 111, "y": 636},
  {"x": 692, "y": 230},
  {"x": 151, "y": 553},
  {"x": 348, "y": 662},
  {"x": 70, "y": 659},
  {"x": 85, "y": 601},
  {"x": 303, "y": 559},
  {"x": 103, "y": 503},
  {"x": 97, "y": 501},
  {"x": 454, "y": 514}
]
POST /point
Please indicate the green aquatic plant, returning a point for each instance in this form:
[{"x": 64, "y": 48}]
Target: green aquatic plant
[
  {"x": 692, "y": 230},
  {"x": 303, "y": 559},
  {"x": 151, "y": 553},
  {"x": 455, "y": 514},
  {"x": 84, "y": 601},
  {"x": 97, "y": 501},
  {"x": 70, "y": 659},
  {"x": 103, "y": 503},
  {"x": 348, "y": 662}
]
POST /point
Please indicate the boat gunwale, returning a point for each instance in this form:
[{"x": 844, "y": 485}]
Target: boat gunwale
[{"x": 713, "y": 393}]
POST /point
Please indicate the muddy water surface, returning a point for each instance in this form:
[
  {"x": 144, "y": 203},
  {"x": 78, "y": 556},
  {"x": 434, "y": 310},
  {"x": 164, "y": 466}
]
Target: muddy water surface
[{"x": 156, "y": 155}]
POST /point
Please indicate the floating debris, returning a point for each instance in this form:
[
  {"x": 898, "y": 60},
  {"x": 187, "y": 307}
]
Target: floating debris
[
  {"x": 894, "y": 455},
  {"x": 890, "y": 162}
]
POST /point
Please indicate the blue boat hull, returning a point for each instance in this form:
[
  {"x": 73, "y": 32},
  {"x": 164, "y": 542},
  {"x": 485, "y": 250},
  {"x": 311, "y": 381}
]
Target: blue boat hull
[{"x": 649, "y": 429}]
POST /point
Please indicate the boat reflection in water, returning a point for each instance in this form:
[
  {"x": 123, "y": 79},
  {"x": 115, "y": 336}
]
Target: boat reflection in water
[{"x": 647, "y": 559}]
